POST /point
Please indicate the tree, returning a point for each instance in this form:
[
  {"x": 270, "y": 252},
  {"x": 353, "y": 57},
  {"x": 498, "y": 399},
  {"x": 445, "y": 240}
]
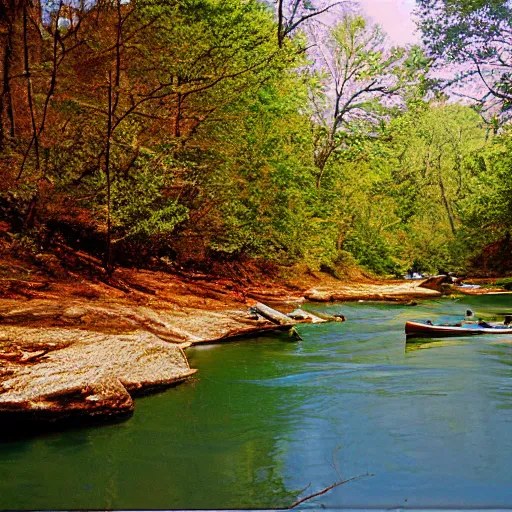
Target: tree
[
  {"x": 9, "y": 9},
  {"x": 488, "y": 211},
  {"x": 115, "y": 89},
  {"x": 359, "y": 75},
  {"x": 291, "y": 14},
  {"x": 431, "y": 158},
  {"x": 476, "y": 35},
  {"x": 254, "y": 176},
  {"x": 398, "y": 198}
]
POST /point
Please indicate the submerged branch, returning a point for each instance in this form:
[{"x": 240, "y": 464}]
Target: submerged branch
[{"x": 325, "y": 490}]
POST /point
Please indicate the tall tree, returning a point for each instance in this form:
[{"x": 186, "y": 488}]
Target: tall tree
[
  {"x": 9, "y": 9},
  {"x": 477, "y": 36},
  {"x": 358, "y": 77},
  {"x": 291, "y": 14}
]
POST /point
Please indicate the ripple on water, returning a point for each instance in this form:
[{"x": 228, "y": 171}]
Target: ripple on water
[{"x": 263, "y": 418}]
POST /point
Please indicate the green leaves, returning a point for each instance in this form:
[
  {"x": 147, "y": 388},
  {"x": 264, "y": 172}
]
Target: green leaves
[
  {"x": 474, "y": 33},
  {"x": 141, "y": 205}
]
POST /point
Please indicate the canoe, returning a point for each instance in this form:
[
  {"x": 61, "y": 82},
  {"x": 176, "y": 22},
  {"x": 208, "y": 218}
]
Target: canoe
[{"x": 421, "y": 330}]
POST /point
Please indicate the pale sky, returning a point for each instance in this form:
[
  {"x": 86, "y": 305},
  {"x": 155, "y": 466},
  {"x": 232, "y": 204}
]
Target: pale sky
[
  {"x": 395, "y": 18},
  {"x": 393, "y": 15}
]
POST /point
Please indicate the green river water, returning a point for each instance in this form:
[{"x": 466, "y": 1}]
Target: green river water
[{"x": 265, "y": 417}]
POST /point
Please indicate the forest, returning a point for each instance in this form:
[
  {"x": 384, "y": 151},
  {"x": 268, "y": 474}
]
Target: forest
[{"x": 186, "y": 132}]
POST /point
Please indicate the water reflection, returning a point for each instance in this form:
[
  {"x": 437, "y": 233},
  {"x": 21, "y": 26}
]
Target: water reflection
[
  {"x": 263, "y": 418},
  {"x": 421, "y": 344}
]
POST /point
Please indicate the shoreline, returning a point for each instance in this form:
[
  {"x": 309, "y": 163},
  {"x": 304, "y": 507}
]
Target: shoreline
[{"x": 73, "y": 349}]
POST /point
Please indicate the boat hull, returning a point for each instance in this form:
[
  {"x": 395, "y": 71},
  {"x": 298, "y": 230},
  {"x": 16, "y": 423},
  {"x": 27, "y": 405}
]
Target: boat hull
[{"x": 420, "y": 330}]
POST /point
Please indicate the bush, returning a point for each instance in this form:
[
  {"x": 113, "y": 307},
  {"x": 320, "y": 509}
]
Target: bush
[{"x": 371, "y": 251}]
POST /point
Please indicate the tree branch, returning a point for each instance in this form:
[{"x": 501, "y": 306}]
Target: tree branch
[
  {"x": 290, "y": 28},
  {"x": 325, "y": 490}
]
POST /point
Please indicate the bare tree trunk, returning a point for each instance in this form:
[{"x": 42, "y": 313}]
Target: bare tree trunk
[
  {"x": 7, "y": 84},
  {"x": 5, "y": 97},
  {"x": 2, "y": 135},
  {"x": 30, "y": 91},
  {"x": 30, "y": 96},
  {"x": 177, "y": 121},
  {"x": 321, "y": 161},
  {"x": 446, "y": 203},
  {"x": 113, "y": 102},
  {"x": 108, "y": 255},
  {"x": 53, "y": 76},
  {"x": 319, "y": 176},
  {"x": 280, "y": 23},
  {"x": 340, "y": 240}
]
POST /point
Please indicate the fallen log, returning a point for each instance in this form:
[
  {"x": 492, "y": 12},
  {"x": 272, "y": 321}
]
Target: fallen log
[
  {"x": 273, "y": 315},
  {"x": 305, "y": 316},
  {"x": 337, "y": 317}
]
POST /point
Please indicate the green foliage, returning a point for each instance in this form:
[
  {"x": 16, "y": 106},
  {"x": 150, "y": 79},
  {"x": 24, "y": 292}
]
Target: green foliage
[
  {"x": 488, "y": 211},
  {"x": 505, "y": 283},
  {"x": 223, "y": 141},
  {"x": 264, "y": 179},
  {"x": 140, "y": 206},
  {"x": 473, "y": 32},
  {"x": 372, "y": 251}
]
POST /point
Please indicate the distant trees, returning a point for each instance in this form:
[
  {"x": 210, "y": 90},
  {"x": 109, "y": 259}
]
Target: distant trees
[
  {"x": 488, "y": 211},
  {"x": 475, "y": 39},
  {"x": 478, "y": 35},
  {"x": 434, "y": 149},
  {"x": 179, "y": 128},
  {"x": 359, "y": 75}
]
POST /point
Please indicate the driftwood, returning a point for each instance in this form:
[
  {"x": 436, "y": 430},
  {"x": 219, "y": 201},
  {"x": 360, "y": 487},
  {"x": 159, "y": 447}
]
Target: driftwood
[
  {"x": 273, "y": 315},
  {"x": 338, "y": 317},
  {"x": 296, "y": 316},
  {"x": 300, "y": 314},
  {"x": 325, "y": 490}
]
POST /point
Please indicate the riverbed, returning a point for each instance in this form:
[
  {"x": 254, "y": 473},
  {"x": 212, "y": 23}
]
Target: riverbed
[{"x": 429, "y": 423}]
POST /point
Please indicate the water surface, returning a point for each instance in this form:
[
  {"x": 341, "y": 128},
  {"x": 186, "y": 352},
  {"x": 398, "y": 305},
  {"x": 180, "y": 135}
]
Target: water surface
[{"x": 265, "y": 417}]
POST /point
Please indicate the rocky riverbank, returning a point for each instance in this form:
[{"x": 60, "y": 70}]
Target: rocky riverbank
[{"x": 74, "y": 348}]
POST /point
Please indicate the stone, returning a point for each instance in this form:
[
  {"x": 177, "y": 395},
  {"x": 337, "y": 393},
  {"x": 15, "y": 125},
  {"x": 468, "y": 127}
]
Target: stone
[{"x": 90, "y": 374}]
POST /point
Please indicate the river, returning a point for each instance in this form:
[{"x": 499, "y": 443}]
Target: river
[{"x": 264, "y": 417}]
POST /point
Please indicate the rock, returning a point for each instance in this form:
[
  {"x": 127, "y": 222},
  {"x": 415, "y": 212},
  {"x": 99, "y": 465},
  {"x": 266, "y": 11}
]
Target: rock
[
  {"x": 318, "y": 296},
  {"x": 298, "y": 314},
  {"x": 436, "y": 283},
  {"x": 10, "y": 356},
  {"x": 95, "y": 374},
  {"x": 74, "y": 313},
  {"x": 183, "y": 326},
  {"x": 76, "y": 360},
  {"x": 31, "y": 356}
]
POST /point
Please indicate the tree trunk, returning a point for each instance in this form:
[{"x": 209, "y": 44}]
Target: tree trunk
[
  {"x": 274, "y": 316},
  {"x": 30, "y": 92},
  {"x": 340, "y": 240},
  {"x": 446, "y": 203},
  {"x": 113, "y": 103},
  {"x": 108, "y": 255},
  {"x": 6, "y": 97},
  {"x": 280, "y": 24}
]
